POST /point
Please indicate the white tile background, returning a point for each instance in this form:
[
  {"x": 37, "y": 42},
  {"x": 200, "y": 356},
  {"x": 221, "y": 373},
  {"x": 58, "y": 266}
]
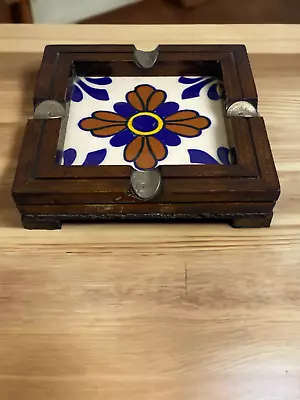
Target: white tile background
[{"x": 84, "y": 142}]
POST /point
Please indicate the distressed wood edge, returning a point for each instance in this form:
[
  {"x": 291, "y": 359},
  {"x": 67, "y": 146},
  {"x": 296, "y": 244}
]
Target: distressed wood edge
[
  {"x": 236, "y": 220},
  {"x": 253, "y": 221},
  {"x": 40, "y": 222}
]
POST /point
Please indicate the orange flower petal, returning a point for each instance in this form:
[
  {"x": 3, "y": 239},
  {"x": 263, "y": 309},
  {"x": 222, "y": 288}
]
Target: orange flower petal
[
  {"x": 158, "y": 149},
  {"x": 108, "y": 116},
  {"x": 182, "y": 115},
  {"x": 133, "y": 148},
  {"x": 145, "y": 159},
  {"x": 103, "y": 123},
  {"x": 183, "y": 130},
  {"x": 108, "y": 130},
  {"x": 186, "y": 123},
  {"x": 89, "y": 124},
  {"x": 139, "y": 97},
  {"x": 199, "y": 122},
  {"x": 135, "y": 101},
  {"x": 155, "y": 100}
]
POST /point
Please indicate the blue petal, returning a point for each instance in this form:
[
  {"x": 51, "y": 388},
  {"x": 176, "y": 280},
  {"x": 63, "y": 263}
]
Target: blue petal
[
  {"x": 223, "y": 154},
  {"x": 124, "y": 109},
  {"x": 213, "y": 92},
  {"x": 77, "y": 94},
  {"x": 98, "y": 94},
  {"x": 188, "y": 81},
  {"x": 122, "y": 138},
  {"x": 201, "y": 157},
  {"x": 95, "y": 157},
  {"x": 167, "y": 109},
  {"x": 100, "y": 81},
  {"x": 168, "y": 138},
  {"x": 194, "y": 90},
  {"x": 69, "y": 156}
]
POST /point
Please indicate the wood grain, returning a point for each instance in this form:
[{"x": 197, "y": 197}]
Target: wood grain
[
  {"x": 279, "y": 39},
  {"x": 152, "y": 311},
  {"x": 5, "y": 15}
]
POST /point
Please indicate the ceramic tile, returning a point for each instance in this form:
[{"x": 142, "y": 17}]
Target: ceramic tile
[{"x": 145, "y": 122}]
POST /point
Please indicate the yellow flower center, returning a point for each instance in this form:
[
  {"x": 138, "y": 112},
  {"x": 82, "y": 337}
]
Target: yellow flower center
[{"x": 145, "y": 123}]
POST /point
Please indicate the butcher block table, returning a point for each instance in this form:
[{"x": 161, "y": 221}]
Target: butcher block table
[{"x": 152, "y": 311}]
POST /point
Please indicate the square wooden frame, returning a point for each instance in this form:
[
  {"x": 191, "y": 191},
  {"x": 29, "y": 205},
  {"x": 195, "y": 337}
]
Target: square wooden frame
[{"x": 243, "y": 193}]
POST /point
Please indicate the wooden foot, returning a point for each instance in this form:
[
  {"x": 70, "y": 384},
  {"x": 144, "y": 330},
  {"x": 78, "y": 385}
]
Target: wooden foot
[
  {"x": 255, "y": 221},
  {"x": 31, "y": 222}
]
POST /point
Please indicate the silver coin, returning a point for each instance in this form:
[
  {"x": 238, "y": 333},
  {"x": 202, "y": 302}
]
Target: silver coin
[
  {"x": 146, "y": 184},
  {"x": 145, "y": 59},
  {"x": 49, "y": 109},
  {"x": 242, "y": 109}
]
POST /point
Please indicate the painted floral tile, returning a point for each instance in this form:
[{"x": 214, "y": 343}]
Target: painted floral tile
[{"x": 145, "y": 122}]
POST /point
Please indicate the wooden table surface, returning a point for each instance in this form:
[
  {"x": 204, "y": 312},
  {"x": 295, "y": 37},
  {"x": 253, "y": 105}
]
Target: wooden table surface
[{"x": 138, "y": 312}]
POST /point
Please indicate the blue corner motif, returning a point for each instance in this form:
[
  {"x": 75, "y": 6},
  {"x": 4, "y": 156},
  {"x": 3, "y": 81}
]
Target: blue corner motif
[
  {"x": 92, "y": 159},
  {"x": 69, "y": 156},
  {"x": 81, "y": 87},
  {"x": 95, "y": 157},
  {"x": 196, "y": 84},
  {"x": 201, "y": 157}
]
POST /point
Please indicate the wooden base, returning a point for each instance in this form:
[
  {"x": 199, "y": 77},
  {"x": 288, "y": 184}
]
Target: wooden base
[
  {"x": 261, "y": 221},
  {"x": 31, "y": 222},
  {"x": 51, "y": 223}
]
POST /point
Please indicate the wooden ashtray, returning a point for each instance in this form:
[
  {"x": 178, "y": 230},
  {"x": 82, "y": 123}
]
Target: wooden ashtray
[{"x": 119, "y": 133}]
